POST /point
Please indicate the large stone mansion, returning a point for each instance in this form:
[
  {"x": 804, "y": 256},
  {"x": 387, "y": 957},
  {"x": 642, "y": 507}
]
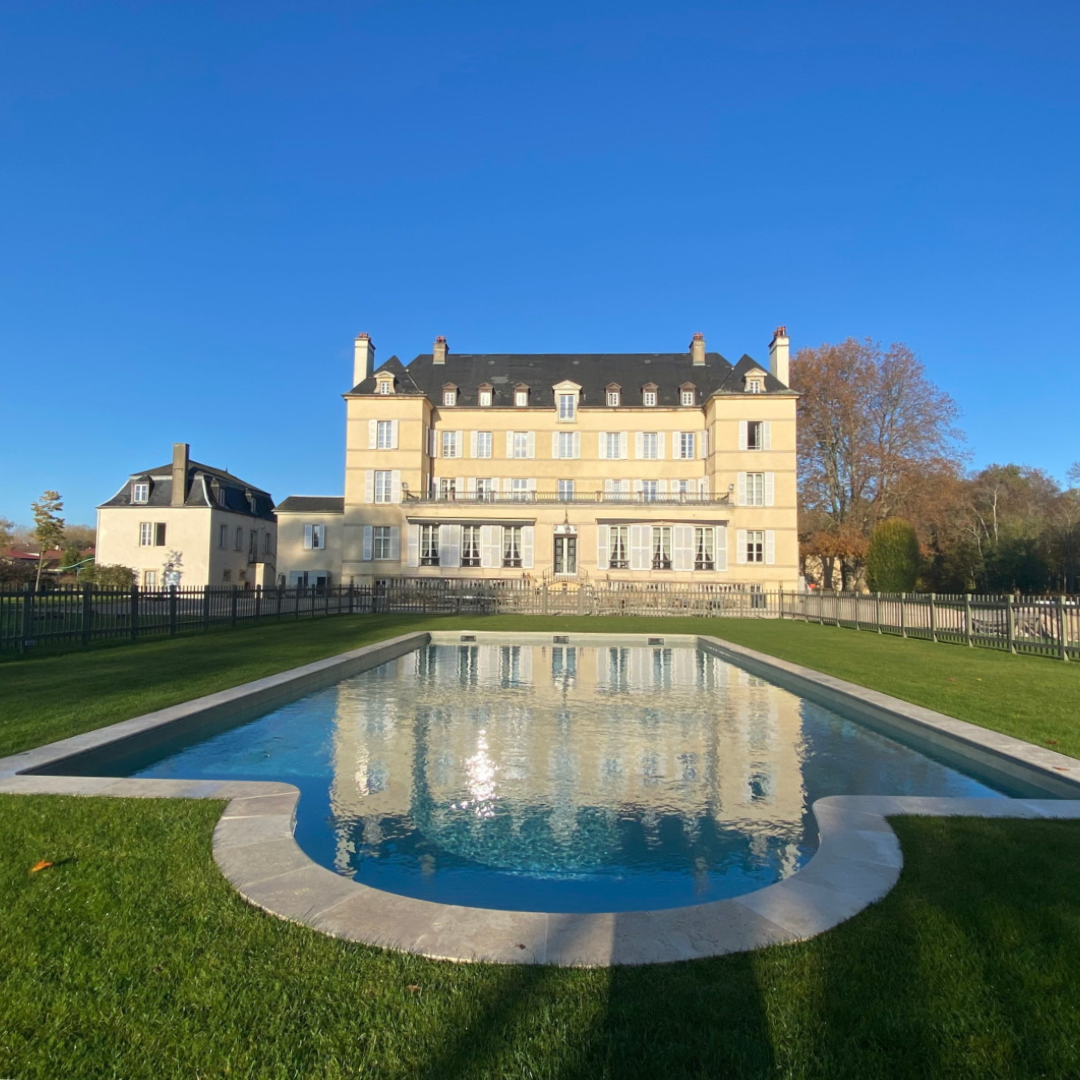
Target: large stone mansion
[{"x": 601, "y": 467}]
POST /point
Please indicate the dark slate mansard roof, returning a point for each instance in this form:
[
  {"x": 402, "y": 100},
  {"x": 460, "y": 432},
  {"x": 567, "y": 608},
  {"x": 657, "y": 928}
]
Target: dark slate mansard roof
[
  {"x": 206, "y": 487},
  {"x": 312, "y": 504},
  {"x": 594, "y": 372}
]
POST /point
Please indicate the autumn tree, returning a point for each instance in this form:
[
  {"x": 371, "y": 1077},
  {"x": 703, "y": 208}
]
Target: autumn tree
[
  {"x": 7, "y": 535},
  {"x": 48, "y": 527},
  {"x": 871, "y": 426}
]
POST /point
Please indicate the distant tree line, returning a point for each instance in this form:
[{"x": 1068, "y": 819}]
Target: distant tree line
[{"x": 878, "y": 442}]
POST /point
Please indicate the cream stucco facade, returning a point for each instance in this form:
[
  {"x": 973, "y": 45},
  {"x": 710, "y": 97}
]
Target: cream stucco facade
[{"x": 639, "y": 467}]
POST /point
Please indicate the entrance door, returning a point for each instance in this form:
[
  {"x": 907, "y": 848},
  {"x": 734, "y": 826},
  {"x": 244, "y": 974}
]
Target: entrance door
[{"x": 565, "y": 554}]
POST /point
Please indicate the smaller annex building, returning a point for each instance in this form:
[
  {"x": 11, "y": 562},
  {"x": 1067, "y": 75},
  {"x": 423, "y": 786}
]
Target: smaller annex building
[
  {"x": 189, "y": 524},
  {"x": 310, "y": 540}
]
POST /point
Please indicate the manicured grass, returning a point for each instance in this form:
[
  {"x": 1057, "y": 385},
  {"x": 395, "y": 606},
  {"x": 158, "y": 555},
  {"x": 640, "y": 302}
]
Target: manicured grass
[
  {"x": 50, "y": 697},
  {"x": 132, "y": 957}
]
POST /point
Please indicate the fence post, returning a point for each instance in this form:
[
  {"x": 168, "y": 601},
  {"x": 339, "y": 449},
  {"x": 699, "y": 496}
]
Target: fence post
[
  {"x": 279, "y": 592},
  {"x": 235, "y": 604},
  {"x": 87, "y": 613},
  {"x": 26, "y": 621},
  {"x": 206, "y": 607},
  {"x": 351, "y": 598},
  {"x": 967, "y": 619},
  {"x": 1010, "y": 624},
  {"x": 877, "y": 611},
  {"x": 172, "y": 611},
  {"x": 933, "y": 619},
  {"x": 134, "y": 612},
  {"x": 780, "y": 603},
  {"x": 903, "y": 614},
  {"x": 1063, "y": 651},
  {"x": 258, "y": 602}
]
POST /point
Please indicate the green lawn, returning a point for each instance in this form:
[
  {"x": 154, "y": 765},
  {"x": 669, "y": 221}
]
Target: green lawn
[
  {"x": 132, "y": 957},
  {"x": 48, "y": 697}
]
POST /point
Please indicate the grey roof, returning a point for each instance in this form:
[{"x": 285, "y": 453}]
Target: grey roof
[
  {"x": 312, "y": 504},
  {"x": 594, "y": 372},
  {"x": 206, "y": 487}
]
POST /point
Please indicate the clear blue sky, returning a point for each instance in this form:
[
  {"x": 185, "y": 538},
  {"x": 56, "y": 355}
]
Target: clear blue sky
[{"x": 202, "y": 203}]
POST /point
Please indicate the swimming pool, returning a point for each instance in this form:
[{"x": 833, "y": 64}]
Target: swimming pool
[{"x": 563, "y": 778}]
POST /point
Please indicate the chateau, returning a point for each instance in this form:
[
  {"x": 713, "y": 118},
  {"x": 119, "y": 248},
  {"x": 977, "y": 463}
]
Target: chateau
[{"x": 586, "y": 467}]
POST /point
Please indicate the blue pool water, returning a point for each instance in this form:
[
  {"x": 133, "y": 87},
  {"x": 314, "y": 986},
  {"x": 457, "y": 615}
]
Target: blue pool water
[{"x": 559, "y": 778}]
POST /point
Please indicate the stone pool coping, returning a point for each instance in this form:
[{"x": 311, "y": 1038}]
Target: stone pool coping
[{"x": 857, "y": 862}]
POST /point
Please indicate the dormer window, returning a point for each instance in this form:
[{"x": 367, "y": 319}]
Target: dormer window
[
  {"x": 567, "y": 395},
  {"x": 483, "y": 396},
  {"x": 384, "y": 384},
  {"x": 754, "y": 385},
  {"x": 521, "y": 395},
  {"x": 140, "y": 492},
  {"x": 687, "y": 394},
  {"x": 449, "y": 394},
  {"x": 648, "y": 395},
  {"x": 614, "y": 394}
]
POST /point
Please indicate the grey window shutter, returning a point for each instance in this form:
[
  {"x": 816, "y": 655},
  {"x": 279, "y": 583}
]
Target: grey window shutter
[
  {"x": 740, "y": 546},
  {"x": 602, "y": 547},
  {"x": 395, "y": 542},
  {"x": 770, "y": 489},
  {"x": 721, "y": 547},
  {"x": 744, "y": 441},
  {"x": 372, "y": 434},
  {"x": 413, "y": 555},
  {"x": 770, "y": 547},
  {"x": 682, "y": 547},
  {"x": 369, "y": 485},
  {"x": 368, "y": 531}
]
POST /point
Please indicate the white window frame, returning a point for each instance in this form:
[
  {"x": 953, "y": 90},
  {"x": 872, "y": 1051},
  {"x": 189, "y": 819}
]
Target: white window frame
[
  {"x": 687, "y": 397},
  {"x": 650, "y": 446},
  {"x": 521, "y": 398},
  {"x": 511, "y": 547},
  {"x": 384, "y": 486},
  {"x": 687, "y": 445},
  {"x": 140, "y": 493},
  {"x": 384, "y": 435},
  {"x": 755, "y": 546},
  {"x": 755, "y": 489},
  {"x": 149, "y": 579},
  {"x": 447, "y": 489},
  {"x": 314, "y": 537},
  {"x": 450, "y": 448},
  {"x": 754, "y": 385},
  {"x": 704, "y": 547},
  {"x": 519, "y": 445},
  {"x": 449, "y": 397},
  {"x": 485, "y": 488},
  {"x": 565, "y": 490},
  {"x": 384, "y": 386},
  {"x": 618, "y": 547},
  {"x": 223, "y": 536},
  {"x": 238, "y": 539},
  {"x": 429, "y": 545},
  {"x": 650, "y": 490},
  {"x": 613, "y": 398},
  {"x": 648, "y": 398},
  {"x": 567, "y": 408},
  {"x": 471, "y": 538},
  {"x": 484, "y": 442},
  {"x": 484, "y": 399},
  {"x": 519, "y": 489},
  {"x": 381, "y": 542},
  {"x": 660, "y": 553}
]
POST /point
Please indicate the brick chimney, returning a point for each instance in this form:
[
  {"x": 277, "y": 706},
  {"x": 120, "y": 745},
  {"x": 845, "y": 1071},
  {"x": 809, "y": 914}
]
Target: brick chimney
[
  {"x": 697, "y": 350},
  {"x": 363, "y": 358},
  {"x": 179, "y": 473},
  {"x": 779, "y": 352},
  {"x": 438, "y": 353}
]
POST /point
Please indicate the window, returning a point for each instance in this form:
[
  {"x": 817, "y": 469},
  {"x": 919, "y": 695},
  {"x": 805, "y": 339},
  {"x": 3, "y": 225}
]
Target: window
[
  {"x": 149, "y": 579},
  {"x": 755, "y": 546},
  {"x": 483, "y": 444},
  {"x": 650, "y": 445},
  {"x": 383, "y": 479},
  {"x": 485, "y": 398},
  {"x": 681, "y": 488},
  {"x": 519, "y": 490},
  {"x": 314, "y": 537},
  {"x": 429, "y": 545},
  {"x": 661, "y": 547},
  {"x": 449, "y": 397},
  {"x": 226, "y": 575},
  {"x": 511, "y": 546},
  {"x": 238, "y": 539},
  {"x": 470, "y": 545},
  {"x": 140, "y": 493},
  {"x": 754, "y": 385},
  {"x": 616, "y": 489},
  {"x": 384, "y": 386},
  {"x": 704, "y": 551},
  {"x": 613, "y": 396},
  {"x": 619, "y": 540},
  {"x": 755, "y": 435},
  {"x": 151, "y": 534},
  {"x": 566, "y": 490},
  {"x": 686, "y": 445},
  {"x": 568, "y": 406},
  {"x": 648, "y": 397},
  {"x": 223, "y": 536},
  {"x": 687, "y": 397},
  {"x": 380, "y": 542},
  {"x": 450, "y": 448},
  {"x": 253, "y": 545},
  {"x": 266, "y": 543},
  {"x": 565, "y": 554},
  {"x": 384, "y": 435},
  {"x": 565, "y": 444},
  {"x": 521, "y": 397},
  {"x": 447, "y": 487},
  {"x": 755, "y": 489},
  {"x": 611, "y": 443},
  {"x": 519, "y": 444},
  {"x": 650, "y": 490},
  {"x": 485, "y": 489}
]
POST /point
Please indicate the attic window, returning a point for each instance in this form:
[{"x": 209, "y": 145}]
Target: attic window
[
  {"x": 614, "y": 394},
  {"x": 484, "y": 396},
  {"x": 521, "y": 395},
  {"x": 754, "y": 385},
  {"x": 384, "y": 385},
  {"x": 449, "y": 395},
  {"x": 648, "y": 395},
  {"x": 140, "y": 493},
  {"x": 687, "y": 395}
]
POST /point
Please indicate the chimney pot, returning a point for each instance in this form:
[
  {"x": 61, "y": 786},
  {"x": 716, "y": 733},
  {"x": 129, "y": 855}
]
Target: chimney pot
[
  {"x": 438, "y": 353},
  {"x": 697, "y": 350}
]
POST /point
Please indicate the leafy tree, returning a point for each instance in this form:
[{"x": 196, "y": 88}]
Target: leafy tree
[
  {"x": 893, "y": 557},
  {"x": 82, "y": 537},
  {"x": 48, "y": 527},
  {"x": 7, "y": 534},
  {"x": 871, "y": 426}
]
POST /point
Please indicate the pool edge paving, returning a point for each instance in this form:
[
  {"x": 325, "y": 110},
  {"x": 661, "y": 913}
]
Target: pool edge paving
[{"x": 857, "y": 863}]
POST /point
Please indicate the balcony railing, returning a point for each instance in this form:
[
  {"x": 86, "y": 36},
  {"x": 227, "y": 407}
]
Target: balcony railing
[{"x": 543, "y": 498}]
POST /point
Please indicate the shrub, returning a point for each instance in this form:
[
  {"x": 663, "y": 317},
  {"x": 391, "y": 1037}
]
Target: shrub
[{"x": 892, "y": 560}]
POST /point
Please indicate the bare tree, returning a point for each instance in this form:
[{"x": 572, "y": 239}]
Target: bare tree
[{"x": 871, "y": 426}]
